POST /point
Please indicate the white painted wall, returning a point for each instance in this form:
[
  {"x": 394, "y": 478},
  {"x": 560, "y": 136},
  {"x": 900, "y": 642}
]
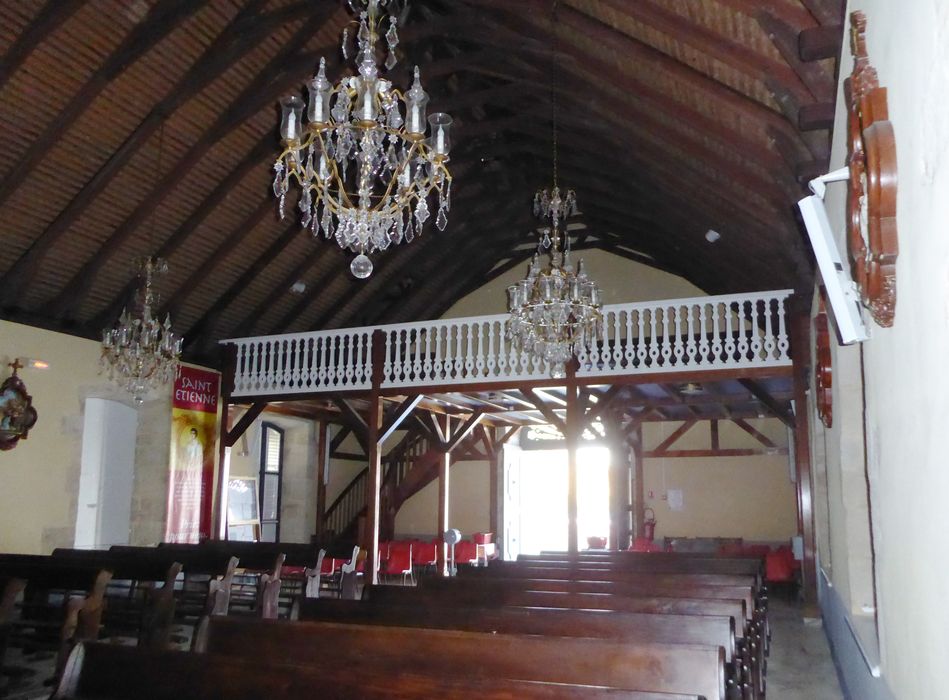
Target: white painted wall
[{"x": 907, "y": 386}]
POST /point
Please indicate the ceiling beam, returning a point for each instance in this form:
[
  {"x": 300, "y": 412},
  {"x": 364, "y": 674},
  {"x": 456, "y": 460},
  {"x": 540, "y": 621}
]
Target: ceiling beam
[
  {"x": 47, "y": 21},
  {"x": 261, "y": 90},
  {"x": 163, "y": 18},
  {"x": 760, "y": 393},
  {"x": 718, "y": 46}
]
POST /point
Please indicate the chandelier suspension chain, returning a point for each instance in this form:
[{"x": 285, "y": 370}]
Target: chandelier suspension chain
[{"x": 555, "y": 310}]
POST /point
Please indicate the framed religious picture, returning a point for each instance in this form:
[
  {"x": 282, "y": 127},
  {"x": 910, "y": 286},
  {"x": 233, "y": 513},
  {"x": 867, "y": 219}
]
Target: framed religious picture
[
  {"x": 872, "y": 242},
  {"x": 243, "y": 513},
  {"x": 17, "y": 414}
]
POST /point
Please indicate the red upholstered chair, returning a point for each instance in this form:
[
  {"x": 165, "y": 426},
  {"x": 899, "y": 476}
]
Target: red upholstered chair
[
  {"x": 425, "y": 555},
  {"x": 399, "y": 562},
  {"x": 466, "y": 552}
]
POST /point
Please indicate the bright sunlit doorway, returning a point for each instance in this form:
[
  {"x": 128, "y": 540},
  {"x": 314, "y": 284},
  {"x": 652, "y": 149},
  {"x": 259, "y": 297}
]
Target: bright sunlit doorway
[{"x": 539, "y": 501}]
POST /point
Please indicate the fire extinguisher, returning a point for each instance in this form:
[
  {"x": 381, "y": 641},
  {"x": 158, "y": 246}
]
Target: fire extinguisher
[{"x": 649, "y": 524}]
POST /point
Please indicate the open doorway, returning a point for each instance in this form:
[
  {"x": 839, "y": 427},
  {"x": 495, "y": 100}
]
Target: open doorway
[{"x": 540, "y": 501}]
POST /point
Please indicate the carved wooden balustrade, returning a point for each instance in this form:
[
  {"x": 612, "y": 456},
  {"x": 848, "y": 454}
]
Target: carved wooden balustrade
[{"x": 738, "y": 331}]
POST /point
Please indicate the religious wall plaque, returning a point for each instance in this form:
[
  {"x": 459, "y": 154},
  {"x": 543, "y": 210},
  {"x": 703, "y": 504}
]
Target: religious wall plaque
[
  {"x": 871, "y": 201},
  {"x": 17, "y": 414}
]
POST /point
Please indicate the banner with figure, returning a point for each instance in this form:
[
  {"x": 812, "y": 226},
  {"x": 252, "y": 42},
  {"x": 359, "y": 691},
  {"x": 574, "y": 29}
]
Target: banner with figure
[{"x": 194, "y": 433}]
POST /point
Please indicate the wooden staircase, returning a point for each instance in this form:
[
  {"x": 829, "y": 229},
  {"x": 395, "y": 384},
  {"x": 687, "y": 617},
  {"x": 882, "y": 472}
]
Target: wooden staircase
[{"x": 407, "y": 469}]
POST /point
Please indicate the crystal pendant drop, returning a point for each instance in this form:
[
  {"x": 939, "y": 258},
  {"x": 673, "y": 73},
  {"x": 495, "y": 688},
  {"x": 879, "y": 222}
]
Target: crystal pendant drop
[{"x": 361, "y": 266}]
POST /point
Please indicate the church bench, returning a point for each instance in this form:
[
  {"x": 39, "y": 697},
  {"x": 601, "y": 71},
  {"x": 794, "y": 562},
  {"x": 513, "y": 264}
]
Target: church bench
[
  {"x": 609, "y": 573},
  {"x": 140, "y": 598},
  {"x": 635, "y": 587},
  {"x": 62, "y": 602},
  {"x": 111, "y": 672},
  {"x": 681, "y": 668},
  {"x": 10, "y": 588},
  {"x": 690, "y": 629},
  {"x": 631, "y": 627},
  {"x": 646, "y": 582},
  {"x": 659, "y": 563},
  {"x": 749, "y": 666},
  {"x": 203, "y": 571}
]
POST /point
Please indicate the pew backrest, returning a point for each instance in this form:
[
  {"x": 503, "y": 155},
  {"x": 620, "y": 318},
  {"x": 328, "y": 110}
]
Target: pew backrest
[
  {"x": 113, "y": 672},
  {"x": 681, "y": 668},
  {"x": 644, "y": 627}
]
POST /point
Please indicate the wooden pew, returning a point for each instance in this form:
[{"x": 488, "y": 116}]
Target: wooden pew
[
  {"x": 647, "y": 582},
  {"x": 62, "y": 602},
  {"x": 682, "y": 668},
  {"x": 140, "y": 597},
  {"x": 109, "y": 672},
  {"x": 659, "y": 563},
  {"x": 559, "y": 622},
  {"x": 10, "y": 588},
  {"x": 634, "y": 587},
  {"x": 748, "y": 664},
  {"x": 204, "y": 571}
]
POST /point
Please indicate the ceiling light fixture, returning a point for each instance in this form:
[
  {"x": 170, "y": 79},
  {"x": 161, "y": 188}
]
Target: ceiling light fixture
[
  {"x": 140, "y": 351},
  {"x": 555, "y": 311},
  {"x": 362, "y": 161}
]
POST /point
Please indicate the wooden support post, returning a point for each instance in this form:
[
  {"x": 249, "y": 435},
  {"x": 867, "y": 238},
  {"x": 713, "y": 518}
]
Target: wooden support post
[
  {"x": 374, "y": 482},
  {"x": 573, "y": 426},
  {"x": 639, "y": 488},
  {"x": 619, "y": 487},
  {"x": 443, "y": 496},
  {"x": 322, "y": 476},
  {"x": 800, "y": 344},
  {"x": 219, "y": 520},
  {"x": 496, "y": 467}
]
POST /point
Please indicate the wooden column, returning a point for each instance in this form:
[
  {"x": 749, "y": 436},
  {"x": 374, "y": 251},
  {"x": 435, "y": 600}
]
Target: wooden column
[
  {"x": 639, "y": 489},
  {"x": 619, "y": 487},
  {"x": 374, "y": 484},
  {"x": 800, "y": 325},
  {"x": 443, "y": 494},
  {"x": 322, "y": 476},
  {"x": 497, "y": 466},
  {"x": 574, "y": 426},
  {"x": 223, "y": 462}
]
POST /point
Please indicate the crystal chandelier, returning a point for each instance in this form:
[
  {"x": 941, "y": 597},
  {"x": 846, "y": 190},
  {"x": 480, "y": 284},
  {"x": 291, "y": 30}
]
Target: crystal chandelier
[
  {"x": 555, "y": 311},
  {"x": 362, "y": 160},
  {"x": 140, "y": 352}
]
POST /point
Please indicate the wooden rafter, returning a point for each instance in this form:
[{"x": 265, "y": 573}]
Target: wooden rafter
[
  {"x": 760, "y": 393},
  {"x": 48, "y": 20},
  {"x": 396, "y": 418},
  {"x": 663, "y": 447},
  {"x": 763, "y": 439},
  {"x": 262, "y": 89}
]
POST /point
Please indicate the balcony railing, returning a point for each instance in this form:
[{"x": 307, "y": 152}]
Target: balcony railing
[{"x": 742, "y": 331}]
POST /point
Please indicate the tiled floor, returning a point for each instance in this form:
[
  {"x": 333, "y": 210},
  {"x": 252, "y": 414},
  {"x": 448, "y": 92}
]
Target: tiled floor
[{"x": 800, "y": 666}]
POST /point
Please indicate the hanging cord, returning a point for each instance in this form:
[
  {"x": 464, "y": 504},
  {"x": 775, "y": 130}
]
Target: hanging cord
[
  {"x": 553, "y": 91},
  {"x": 155, "y": 180}
]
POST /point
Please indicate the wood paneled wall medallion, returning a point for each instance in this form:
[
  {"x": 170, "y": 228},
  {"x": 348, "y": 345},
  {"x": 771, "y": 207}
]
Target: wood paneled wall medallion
[
  {"x": 823, "y": 368},
  {"x": 871, "y": 202},
  {"x": 17, "y": 414}
]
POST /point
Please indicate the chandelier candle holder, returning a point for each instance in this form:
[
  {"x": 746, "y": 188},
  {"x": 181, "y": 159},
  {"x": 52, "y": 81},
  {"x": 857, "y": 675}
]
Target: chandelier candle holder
[
  {"x": 555, "y": 311},
  {"x": 141, "y": 352},
  {"x": 368, "y": 158}
]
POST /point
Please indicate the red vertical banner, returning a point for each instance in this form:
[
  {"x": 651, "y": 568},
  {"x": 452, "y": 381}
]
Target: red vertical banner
[{"x": 194, "y": 434}]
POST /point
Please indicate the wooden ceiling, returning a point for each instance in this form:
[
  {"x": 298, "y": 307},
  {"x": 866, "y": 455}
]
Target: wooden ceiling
[{"x": 675, "y": 117}]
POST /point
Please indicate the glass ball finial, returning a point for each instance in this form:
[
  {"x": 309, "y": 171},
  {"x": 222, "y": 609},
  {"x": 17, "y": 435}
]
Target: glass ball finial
[{"x": 361, "y": 266}]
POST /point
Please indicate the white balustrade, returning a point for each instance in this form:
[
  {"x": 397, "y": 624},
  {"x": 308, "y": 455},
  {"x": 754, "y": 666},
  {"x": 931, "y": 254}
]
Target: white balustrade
[{"x": 676, "y": 335}]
